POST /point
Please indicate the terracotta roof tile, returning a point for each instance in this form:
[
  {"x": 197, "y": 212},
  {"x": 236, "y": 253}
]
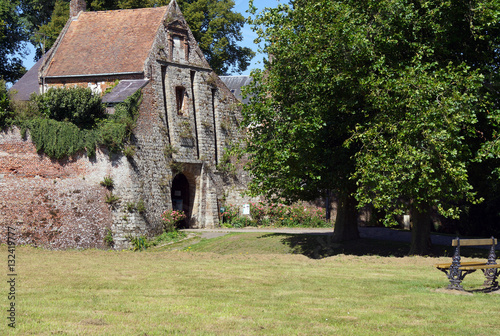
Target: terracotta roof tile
[{"x": 107, "y": 42}]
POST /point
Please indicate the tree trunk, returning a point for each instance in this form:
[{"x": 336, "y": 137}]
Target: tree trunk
[
  {"x": 346, "y": 223},
  {"x": 421, "y": 230}
]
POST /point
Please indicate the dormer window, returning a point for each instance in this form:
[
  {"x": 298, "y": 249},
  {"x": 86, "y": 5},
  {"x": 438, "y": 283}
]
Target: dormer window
[
  {"x": 178, "y": 49},
  {"x": 178, "y": 42}
]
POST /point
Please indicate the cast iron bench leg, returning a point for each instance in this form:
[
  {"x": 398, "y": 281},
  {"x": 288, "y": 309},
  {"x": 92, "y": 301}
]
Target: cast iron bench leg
[
  {"x": 492, "y": 273},
  {"x": 454, "y": 274}
]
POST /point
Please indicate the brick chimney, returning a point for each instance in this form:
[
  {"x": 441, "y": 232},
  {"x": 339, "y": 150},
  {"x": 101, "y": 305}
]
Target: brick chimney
[{"x": 76, "y": 6}]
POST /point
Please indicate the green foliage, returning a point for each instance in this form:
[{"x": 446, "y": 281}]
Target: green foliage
[
  {"x": 76, "y": 105},
  {"x": 171, "y": 219},
  {"x": 108, "y": 182},
  {"x": 391, "y": 99},
  {"x": 225, "y": 165},
  {"x": 108, "y": 238},
  {"x": 140, "y": 207},
  {"x": 417, "y": 149},
  {"x": 58, "y": 139},
  {"x": 129, "y": 151},
  {"x": 13, "y": 35},
  {"x": 130, "y": 206},
  {"x": 6, "y": 113},
  {"x": 111, "y": 199},
  {"x": 140, "y": 243},
  {"x": 176, "y": 167},
  {"x": 185, "y": 130},
  {"x": 168, "y": 150},
  {"x": 218, "y": 30},
  {"x": 54, "y": 21},
  {"x": 230, "y": 213},
  {"x": 81, "y": 122},
  {"x": 276, "y": 215}
]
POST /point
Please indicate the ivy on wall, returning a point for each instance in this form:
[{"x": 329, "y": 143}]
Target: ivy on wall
[{"x": 72, "y": 122}]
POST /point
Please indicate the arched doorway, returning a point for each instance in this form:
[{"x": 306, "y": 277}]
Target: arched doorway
[{"x": 180, "y": 197}]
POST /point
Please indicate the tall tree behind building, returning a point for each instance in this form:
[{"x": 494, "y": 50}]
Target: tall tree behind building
[{"x": 12, "y": 40}]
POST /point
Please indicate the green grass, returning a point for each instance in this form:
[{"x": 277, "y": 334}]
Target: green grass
[{"x": 255, "y": 284}]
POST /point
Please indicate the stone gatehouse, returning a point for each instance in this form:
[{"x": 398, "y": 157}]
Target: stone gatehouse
[{"x": 187, "y": 120}]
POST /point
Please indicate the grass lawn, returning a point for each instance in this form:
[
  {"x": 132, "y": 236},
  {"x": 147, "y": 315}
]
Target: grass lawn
[{"x": 243, "y": 284}]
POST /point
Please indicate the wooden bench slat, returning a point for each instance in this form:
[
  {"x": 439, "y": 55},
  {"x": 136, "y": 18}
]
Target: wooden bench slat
[
  {"x": 476, "y": 267},
  {"x": 467, "y": 263},
  {"x": 473, "y": 242}
]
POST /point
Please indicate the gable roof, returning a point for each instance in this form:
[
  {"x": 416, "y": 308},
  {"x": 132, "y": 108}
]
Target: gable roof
[
  {"x": 106, "y": 42},
  {"x": 27, "y": 84}
]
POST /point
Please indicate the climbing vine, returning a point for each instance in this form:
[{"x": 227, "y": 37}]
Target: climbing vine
[{"x": 72, "y": 132}]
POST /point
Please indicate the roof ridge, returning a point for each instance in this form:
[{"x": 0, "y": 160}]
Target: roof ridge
[{"x": 124, "y": 9}]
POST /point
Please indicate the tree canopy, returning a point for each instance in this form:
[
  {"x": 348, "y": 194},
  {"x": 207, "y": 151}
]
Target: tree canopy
[
  {"x": 12, "y": 40},
  {"x": 395, "y": 97},
  {"x": 214, "y": 24}
]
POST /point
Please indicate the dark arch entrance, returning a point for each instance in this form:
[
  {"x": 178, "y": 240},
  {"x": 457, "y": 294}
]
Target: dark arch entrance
[{"x": 180, "y": 197}]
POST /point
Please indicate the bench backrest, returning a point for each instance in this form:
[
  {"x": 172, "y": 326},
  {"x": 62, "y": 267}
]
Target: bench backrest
[{"x": 474, "y": 242}]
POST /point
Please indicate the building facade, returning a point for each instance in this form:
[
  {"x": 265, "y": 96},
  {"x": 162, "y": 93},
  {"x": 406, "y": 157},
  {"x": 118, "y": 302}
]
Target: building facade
[{"x": 187, "y": 120}]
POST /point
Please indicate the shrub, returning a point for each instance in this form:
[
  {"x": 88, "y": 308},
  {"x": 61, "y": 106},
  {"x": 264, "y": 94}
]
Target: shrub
[
  {"x": 58, "y": 139},
  {"x": 258, "y": 212},
  {"x": 76, "y": 105},
  {"x": 299, "y": 214},
  {"x": 230, "y": 213},
  {"x": 59, "y": 132},
  {"x": 171, "y": 218},
  {"x": 242, "y": 221},
  {"x": 6, "y": 113}
]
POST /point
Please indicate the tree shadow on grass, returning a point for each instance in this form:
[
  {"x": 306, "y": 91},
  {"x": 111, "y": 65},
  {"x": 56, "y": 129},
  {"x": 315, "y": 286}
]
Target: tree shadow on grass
[{"x": 318, "y": 246}]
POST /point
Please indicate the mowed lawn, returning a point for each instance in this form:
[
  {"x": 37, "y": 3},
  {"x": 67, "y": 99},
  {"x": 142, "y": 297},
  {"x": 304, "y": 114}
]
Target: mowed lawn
[{"x": 242, "y": 291}]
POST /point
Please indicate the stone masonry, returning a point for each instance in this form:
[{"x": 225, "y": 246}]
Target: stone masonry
[{"x": 187, "y": 121}]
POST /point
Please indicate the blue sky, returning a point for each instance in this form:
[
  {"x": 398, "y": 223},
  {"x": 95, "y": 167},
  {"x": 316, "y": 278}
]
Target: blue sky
[{"x": 249, "y": 36}]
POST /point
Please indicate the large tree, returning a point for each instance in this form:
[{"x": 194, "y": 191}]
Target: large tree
[
  {"x": 429, "y": 94},
  {"x": 12, "y": 40},
  {"x": 214, "y": 24},
  {"x": 388, "y": 95},
  {"x": 306, "y": 104}
]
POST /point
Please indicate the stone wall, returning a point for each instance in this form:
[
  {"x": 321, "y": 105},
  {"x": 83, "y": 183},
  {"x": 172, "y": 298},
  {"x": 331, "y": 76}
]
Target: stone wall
[{"x": 52, "y": 203}]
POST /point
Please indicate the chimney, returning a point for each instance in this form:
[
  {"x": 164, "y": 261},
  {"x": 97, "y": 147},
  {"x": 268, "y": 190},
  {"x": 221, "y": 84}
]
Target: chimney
[{"x": 76, "y": 6}]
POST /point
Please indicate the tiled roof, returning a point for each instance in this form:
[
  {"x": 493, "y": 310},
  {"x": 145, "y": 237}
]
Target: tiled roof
[
  {"x": 123, "y": 90},
  {"x": 107, "y": 42},
  {"x": 235, "y": 83}
]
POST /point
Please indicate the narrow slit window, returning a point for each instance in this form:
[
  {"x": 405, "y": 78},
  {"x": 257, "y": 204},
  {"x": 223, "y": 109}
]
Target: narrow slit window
[{"x": 180, "y": 93}]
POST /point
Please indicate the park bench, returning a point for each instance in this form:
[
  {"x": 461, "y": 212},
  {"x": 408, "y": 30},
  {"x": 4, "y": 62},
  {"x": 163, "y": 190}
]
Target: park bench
[{"x": 456, "y": 271}]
